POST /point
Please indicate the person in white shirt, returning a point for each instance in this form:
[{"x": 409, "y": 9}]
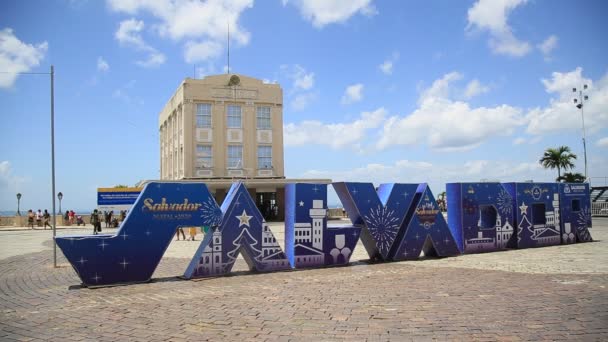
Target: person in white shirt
[{"x": 39, "y": 218}]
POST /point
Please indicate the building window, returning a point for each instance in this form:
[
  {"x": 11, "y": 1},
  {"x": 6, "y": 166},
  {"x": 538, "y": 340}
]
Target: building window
[
  {"x": 204, "y": 156},
  {"x": 235, "y": 156},
  {"x": 263, "y": 118},
  {"x": 264, "y": 157},
  {"x": 203, "y": 115},
  {"x": 234, "y": 116}
]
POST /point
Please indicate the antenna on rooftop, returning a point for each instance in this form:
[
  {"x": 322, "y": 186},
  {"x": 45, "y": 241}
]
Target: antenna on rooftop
[{"x": 228, "y": 47}]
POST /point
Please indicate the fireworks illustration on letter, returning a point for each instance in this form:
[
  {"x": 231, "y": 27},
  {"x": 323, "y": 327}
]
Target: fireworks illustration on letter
[
  {"x": 505, "y": 203},
  {"x": 383, "y": 226},
  {"x": 212, "y": 214},
  {"x": 584, "y": 216}
]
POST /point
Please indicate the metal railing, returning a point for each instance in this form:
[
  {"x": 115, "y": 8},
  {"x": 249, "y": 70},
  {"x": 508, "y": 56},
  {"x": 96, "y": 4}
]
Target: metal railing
[{"x": 599, "y": 209}]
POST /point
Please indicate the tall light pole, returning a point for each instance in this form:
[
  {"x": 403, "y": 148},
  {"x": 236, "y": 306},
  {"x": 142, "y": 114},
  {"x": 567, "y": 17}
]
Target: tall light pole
[
  {"x": 52, "y": 73},
  {"x": 53, "y": 163},
  {"x": 18, "y": 203},
  {"x": 582, "y": 98},
  {"x": 59, "y": 197}
]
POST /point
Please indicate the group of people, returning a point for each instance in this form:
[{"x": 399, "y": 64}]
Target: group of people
[
  {"x": 108, "y": 217},
  {"x": 191, "y": 232},
  {"x": 38, "y": 217},
  {"x": 70, "y": 217}
]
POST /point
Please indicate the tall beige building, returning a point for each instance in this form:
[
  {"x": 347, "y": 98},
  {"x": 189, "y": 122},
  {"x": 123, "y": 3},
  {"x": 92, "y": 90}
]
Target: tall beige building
[{"x": 224, "y": 128}]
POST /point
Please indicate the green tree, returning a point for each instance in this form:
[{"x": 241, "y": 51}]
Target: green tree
[
  {"x": 558, "y": 158},
  {"x": 569, "y": 177},
  {"x": 120, "y": 186}
]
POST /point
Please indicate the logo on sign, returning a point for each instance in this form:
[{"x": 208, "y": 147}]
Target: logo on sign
[
  {"x": 536, "y": 193},
  {"x": 149, "y": 205},
  {"x": 427, "y": 215}
]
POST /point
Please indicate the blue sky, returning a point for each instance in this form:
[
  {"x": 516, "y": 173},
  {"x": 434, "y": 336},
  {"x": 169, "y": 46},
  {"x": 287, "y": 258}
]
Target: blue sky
[{"x": 381, "y": 91}]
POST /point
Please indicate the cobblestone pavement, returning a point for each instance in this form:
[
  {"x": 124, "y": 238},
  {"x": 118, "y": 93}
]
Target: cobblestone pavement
[{"x": 514, "y": 295}]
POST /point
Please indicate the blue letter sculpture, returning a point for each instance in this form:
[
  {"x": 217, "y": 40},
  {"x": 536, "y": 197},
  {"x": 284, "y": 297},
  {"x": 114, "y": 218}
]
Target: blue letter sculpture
[
  {"x": 427, "y": 230},
  {"x": 575, "y": 212},
  {"x": 484, "y": 214},
  {"x": 395, "y": 222},
  {"x": 381, "y": 214},
  {"x": 134, "y": 252},
  {"x": 399, "y": 220},
  {"x": 309, "y": 242},
  {"x": 537, "y": 213},
  {"x": 242, "y": 229}
]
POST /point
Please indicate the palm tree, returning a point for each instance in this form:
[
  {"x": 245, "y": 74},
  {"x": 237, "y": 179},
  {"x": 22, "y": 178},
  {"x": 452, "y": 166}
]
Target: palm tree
[
  {"x": 558, "y": 158},
  {"x": 570, "y": 177}
]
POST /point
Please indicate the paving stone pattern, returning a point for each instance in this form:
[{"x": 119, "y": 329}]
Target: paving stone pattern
[{"x": 402, "y": 301}]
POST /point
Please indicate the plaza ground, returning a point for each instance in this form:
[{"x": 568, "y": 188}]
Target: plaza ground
[{"x": 551, "y": 293}]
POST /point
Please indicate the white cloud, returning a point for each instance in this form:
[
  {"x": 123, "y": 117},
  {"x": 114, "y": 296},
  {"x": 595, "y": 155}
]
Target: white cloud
[
  {"x": 17, "y": 56},
  {"x": 198, "y": 22},
  {"x": 548, "y": 46},
  {"x": 301, "y": 92},
  {"x": 335, "y": 135},
  {"x": 603, "y": 142},
  {"x": 441, "y": 87},
  {"x": 475, "y": 88},
  {"x": 492, "y": 16},
  {"x": 561, "y": 113},
  {"x": 437, "y": 174},
  {"x": 303, "y": 80},
  {"x": 301, "y": 101},
  {"x": 446, "y": 124},
  {"x": 325, "y": 12},
  {"x": 129, "y": 34},
  {"x": 519, "y": 141},
  {"x": 530, "y": 141},
  {"x": 154, "y": 59},
  {"x": 102, "y": 65},
  {"x": 352, "y": 94},
  {"x": 387, "y": 66},
  {"x": 9, "y": 181},
  {"x": 196, "y": 52}
]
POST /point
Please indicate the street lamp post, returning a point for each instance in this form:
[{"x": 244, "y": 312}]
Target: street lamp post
[
  {"x": 52, "y": 74},
  {"x": 59, "y": 197},
  {"x": 582, "y": 98},
  {"x": 18, "y": 203}
]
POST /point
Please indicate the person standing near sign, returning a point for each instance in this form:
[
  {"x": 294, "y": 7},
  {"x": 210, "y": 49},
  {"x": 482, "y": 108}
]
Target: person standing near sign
[
  {"x": 95, "y": 222},
  {"x": 192, "y": 233},
  {"x": 181, "y": 230}
]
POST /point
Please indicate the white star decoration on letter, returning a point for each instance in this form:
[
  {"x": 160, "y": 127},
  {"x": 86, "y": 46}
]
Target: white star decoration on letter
[
  {"x": 244, "y": 219},
  {"x": 301, "y": 203},
  {"x": 524, "y": 208}
]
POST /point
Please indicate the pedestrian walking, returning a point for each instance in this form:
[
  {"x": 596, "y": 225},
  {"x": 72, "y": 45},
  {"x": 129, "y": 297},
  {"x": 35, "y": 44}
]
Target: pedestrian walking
[
  {"x": 192, "y": 233},
  {"x": 39, "y": 218},
  {"x": 46, "y": 217},
  {"x": 181, "y": 230},
  {"x": 30, "y": 218}
]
